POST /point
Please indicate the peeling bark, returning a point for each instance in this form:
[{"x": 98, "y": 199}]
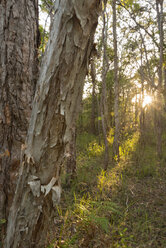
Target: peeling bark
[
  {"x": 105, "y": 68},
  {"x": 116, "y": 86},
  {"x": 56, "y": 104}
]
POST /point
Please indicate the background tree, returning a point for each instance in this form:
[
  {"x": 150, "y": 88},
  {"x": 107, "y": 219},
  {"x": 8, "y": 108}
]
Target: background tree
[
  {"x": 105, "y": 67},
  {"x": 116, "y": 85}
]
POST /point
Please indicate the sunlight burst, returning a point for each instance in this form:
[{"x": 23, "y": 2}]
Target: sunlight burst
[{"x": 147, "y": 100}]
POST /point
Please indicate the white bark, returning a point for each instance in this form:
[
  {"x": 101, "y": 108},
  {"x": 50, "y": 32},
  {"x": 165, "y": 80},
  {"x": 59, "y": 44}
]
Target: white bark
[
  {"x": 116, "y": 85},
  {"x": 56, "y": 104},
  {"x": 105, "y": 68}
]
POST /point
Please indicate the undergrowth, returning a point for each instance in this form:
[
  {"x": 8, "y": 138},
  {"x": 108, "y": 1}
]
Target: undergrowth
[{"x": 120, "y": 208}]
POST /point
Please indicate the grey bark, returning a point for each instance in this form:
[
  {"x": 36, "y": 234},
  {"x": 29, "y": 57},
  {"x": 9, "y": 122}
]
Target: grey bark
[
  {"x": 56, "y": 102},
  {"x": 93, "y": 76},
  {"x": 116, "y": 85},
  {"x": 70, "y": 154},
  {"x": 165, "y": 88},
  {"x": 95, "y": 100},
  {"x": 105, "y": 67},
  {"x": 136, "y": 109},
  {"x": 18, "y": 74},
  {"x": 142, "y": 112},
  {"x": 159, "y": 10}
]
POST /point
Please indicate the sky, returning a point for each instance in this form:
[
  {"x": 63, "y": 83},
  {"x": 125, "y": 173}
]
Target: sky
[{"x": 44, "y": 19}]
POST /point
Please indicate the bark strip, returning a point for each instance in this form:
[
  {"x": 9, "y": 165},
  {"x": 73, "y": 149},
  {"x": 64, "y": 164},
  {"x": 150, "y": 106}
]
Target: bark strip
[{"x": 56, "y": 102}]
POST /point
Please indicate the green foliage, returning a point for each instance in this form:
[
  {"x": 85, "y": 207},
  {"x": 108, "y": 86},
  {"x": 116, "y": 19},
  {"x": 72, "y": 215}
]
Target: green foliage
[
  {"x": 93, "y": 212},
  {"x": 116, "y": 207},
  {"x": 83, "y": 141},
  {"x": 46, "y": 5},
  {"x": 95, "y": 149},
  {"x": 129, "y": 146},
  {"x": 127, "y": 3},
  {"x": 110, "y": 137},
  {"x": 101, "y": 181},
  {"x": 2, "y": 221},
  {"x": 44, "y": 39},
  {"x": 146, "y": 171}
]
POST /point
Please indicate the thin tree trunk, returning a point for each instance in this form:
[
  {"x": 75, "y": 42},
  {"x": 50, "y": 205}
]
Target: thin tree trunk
[
  {"x": 93, "y": 76},
  {"x": 159, "y": 9},
  {"x": 116, "y": 86},
  {"x": 98, "y": 121},
  {"x": 70, "y": 154},
  {"x": 18, "y": 74},
  {"x": 104, "y": 91},
  {"x": 55, "y": 105},
  {"x": 142, "y": 113},
  {"x": 165, "y": 88},
  {"x": 136, "y": 110}
]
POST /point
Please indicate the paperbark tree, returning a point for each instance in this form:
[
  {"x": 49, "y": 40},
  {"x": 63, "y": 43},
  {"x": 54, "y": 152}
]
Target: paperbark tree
[
  {"x": 160, "y": 14},
  {"x": 142, "y": 111},
  {"x": 95, "y": 100},
  {"x": 116, "y": 85},
  {"x": 93, "y": 76},
  {"x": 56, "y": 103},
  {"x": 105, "y": 68},
  {"x": 18, "y": 74}
]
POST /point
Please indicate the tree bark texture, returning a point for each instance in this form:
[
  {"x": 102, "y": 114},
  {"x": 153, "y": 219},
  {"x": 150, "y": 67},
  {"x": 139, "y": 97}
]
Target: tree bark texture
[
  {"x": 18, "y": 74},
  {"x": 93, "y": 76},
  {"x": 70, "y": 154},
  {"x": 55, "y": 105},
  {"x": 165, "y": 88},
  {"x": 160, "y": 14},
  {"x": 116, "y": 86},
  {"x": 142, "y": 112},
  {"x": 105, "y": 68}
]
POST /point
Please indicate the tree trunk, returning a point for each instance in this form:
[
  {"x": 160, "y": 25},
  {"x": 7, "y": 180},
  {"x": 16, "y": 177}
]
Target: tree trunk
[
  {"x": 55, "y": 105},
  {"x": 116, "y": 86},
  {"x": 18, "y": 73},
  {"x": 159, "y": 9},
  {"x": 105, "y": 67},
  {"x": 142, "y": 112},
  {"x": 99, "y": 129},
  {"x": 136, "y": 110},
  {"x": 165, "y": 88},
  {"x": 70, "y": 154},
  {"x": 93, "y": 76}
]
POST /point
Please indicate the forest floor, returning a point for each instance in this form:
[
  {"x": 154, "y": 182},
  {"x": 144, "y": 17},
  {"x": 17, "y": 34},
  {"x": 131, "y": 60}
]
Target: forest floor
[{"x": 121, "y": 208}]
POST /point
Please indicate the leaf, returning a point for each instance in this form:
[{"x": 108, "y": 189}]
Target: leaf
[{"x": 2, "y": 221}]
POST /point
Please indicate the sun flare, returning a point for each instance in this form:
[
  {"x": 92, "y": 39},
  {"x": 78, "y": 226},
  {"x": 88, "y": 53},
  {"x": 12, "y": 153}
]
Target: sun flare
[{"x": 147, "y": 100}]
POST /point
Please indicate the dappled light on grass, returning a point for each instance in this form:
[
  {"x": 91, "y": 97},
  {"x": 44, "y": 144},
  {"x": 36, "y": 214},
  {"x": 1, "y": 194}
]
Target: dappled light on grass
[
  {"x": 95, "y": 149},
  {"x": 129, "y": 146},
  {"x": 110, "y": 181},
  {"x": 120, "y": 208}
]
